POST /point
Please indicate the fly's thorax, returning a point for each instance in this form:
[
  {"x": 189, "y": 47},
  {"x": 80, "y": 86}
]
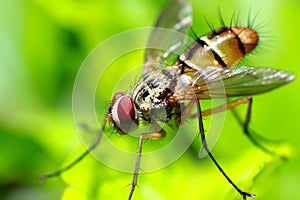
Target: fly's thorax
[
  {"x": 223, "y": 47},
  {"x": 151, "y": 93}
]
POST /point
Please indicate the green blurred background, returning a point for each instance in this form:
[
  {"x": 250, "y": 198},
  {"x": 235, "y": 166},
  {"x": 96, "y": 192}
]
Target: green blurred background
[{"x": 42, "y": 46}]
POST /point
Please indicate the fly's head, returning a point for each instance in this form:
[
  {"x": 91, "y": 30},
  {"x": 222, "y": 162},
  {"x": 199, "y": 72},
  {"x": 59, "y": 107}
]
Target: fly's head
[{"x": 122, "y": 113}]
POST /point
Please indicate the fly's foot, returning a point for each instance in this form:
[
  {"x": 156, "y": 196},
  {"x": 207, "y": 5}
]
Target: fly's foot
[{"x": 245, "y": 195}]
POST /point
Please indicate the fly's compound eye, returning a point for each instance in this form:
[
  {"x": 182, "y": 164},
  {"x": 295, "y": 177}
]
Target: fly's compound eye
[
  {"x": 117, "y": 96},
  {"x": 123, "y": 112}
]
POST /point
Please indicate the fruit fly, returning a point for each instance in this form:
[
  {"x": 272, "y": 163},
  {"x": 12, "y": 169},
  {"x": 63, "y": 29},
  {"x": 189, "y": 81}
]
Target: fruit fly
[{"x": 192, "y": 77}]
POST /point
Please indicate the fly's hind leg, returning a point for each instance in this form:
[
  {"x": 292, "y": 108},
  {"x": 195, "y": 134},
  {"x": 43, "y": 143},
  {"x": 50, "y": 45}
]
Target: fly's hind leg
[
  {"x": 244, "y": 194},
  {"x": 258, "y": 140},
  {"x": 252, "y": 135},
  {"x": 153, "y": 136}
]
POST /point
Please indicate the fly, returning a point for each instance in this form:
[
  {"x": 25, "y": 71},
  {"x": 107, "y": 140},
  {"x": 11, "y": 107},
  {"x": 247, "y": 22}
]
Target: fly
[{"x": 192, "y": 77}]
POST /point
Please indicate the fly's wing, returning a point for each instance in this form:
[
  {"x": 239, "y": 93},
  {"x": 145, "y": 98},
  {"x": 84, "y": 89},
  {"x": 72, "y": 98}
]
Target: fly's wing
[
  {"x": 177, "y": 16},
  {"x": 253, "y": 80},
  {"x": 211, "y": 82}
]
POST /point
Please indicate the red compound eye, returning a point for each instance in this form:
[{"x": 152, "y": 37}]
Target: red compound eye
[
  {"x": 122, "y": 111},
  {"x": 117, "y": 96},
  {"x": 125, "y": 109}
]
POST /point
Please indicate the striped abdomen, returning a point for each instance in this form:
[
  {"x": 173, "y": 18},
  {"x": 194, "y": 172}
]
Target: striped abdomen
[{"x": 223, "y": 47}]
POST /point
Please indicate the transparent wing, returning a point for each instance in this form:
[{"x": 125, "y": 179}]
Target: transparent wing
[
  {"x": 211, "y": 81},
  {"x": 253, "y": 80},
  {"x": 177, "y": 15}
]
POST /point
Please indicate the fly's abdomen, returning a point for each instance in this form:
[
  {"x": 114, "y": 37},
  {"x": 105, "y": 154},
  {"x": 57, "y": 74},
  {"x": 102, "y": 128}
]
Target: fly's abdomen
[{"x": 223, "y": 47}]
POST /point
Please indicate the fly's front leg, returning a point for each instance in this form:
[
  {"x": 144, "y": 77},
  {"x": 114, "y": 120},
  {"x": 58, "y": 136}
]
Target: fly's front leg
[
  {"x": 78, "y": 159},
  {"x": 152, "y": 136}
]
